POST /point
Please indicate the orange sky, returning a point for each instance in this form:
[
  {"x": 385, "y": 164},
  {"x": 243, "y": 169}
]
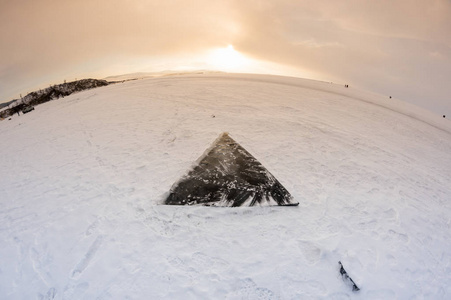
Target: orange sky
[{"x": 395, "y": 47}]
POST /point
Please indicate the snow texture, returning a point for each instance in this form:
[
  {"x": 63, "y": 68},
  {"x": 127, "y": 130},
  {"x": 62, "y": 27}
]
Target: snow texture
[
  {"x": 228, "y": 175},
  {"x": 83, "y": 178}
]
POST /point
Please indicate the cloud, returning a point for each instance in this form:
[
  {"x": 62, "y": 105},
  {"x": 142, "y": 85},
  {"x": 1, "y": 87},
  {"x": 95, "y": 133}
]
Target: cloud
[
  {"x": 379, "y": 45},
  {"x": 62, "y": 29},
  {"x": 383, "y": 46},
  {"x": 42, "y": 37}
]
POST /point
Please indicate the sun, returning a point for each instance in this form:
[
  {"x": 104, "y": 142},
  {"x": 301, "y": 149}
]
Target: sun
[{"x": 227, "y": 59}]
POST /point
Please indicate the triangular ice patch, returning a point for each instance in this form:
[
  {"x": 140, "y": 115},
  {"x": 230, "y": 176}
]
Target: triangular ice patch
[{"x": 228, "y": 175}]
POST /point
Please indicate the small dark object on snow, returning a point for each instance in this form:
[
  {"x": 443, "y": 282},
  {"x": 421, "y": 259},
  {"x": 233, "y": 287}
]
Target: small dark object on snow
[
  {"x": 27, "y": 109},
  {"x": 213, "y": 116},
  {"x": 444, "y": 116},
  {"x": 390, "y": 97},
  {"x": 228, "y": 175},
  {"x": 347, "y": 279}
]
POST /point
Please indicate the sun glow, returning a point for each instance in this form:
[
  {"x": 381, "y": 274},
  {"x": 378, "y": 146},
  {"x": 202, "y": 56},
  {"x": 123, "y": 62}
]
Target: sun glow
[{"x": 228, "y": 59}]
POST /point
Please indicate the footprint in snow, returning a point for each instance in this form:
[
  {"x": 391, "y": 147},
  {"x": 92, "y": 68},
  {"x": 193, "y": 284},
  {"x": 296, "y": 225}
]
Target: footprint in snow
[
  {"x": 310, "y": 252},
  {"x": 86, "y": 260},
  {"x": 50, "y": 295},
  {"x": 248, "y": 289},
  {"x": 75, "y": 291},
  {"x": 401, "y": 237}
]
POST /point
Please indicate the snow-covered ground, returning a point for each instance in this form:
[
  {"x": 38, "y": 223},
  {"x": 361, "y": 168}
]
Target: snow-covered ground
[{"x": 82, "y": 180}]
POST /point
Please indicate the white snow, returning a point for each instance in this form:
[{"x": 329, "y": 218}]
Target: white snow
[{"x": 82, "y": 179}]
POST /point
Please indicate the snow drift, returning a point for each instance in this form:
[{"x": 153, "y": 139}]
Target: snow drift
[{"x": 82, "y": 178}]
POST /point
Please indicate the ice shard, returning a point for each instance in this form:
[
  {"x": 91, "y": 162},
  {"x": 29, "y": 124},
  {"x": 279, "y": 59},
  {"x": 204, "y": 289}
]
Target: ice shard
[{"x": 228, "y": 175}]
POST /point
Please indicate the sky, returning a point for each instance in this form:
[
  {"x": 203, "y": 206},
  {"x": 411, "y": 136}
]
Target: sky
[{"x": 398, "y": 48}]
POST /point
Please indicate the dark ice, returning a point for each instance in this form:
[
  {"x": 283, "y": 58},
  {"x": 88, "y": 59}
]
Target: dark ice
[{"x": 228, "y": 175}]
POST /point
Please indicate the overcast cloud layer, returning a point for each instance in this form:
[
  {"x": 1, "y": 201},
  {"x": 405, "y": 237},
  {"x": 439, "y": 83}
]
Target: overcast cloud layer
[{"x": 395, "y": 47}]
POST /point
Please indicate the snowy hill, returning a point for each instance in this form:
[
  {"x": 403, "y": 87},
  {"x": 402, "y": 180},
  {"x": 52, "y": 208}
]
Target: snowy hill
[
  {"x": 147, "y": 75},
  {"x": 83, "y": 179}
]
